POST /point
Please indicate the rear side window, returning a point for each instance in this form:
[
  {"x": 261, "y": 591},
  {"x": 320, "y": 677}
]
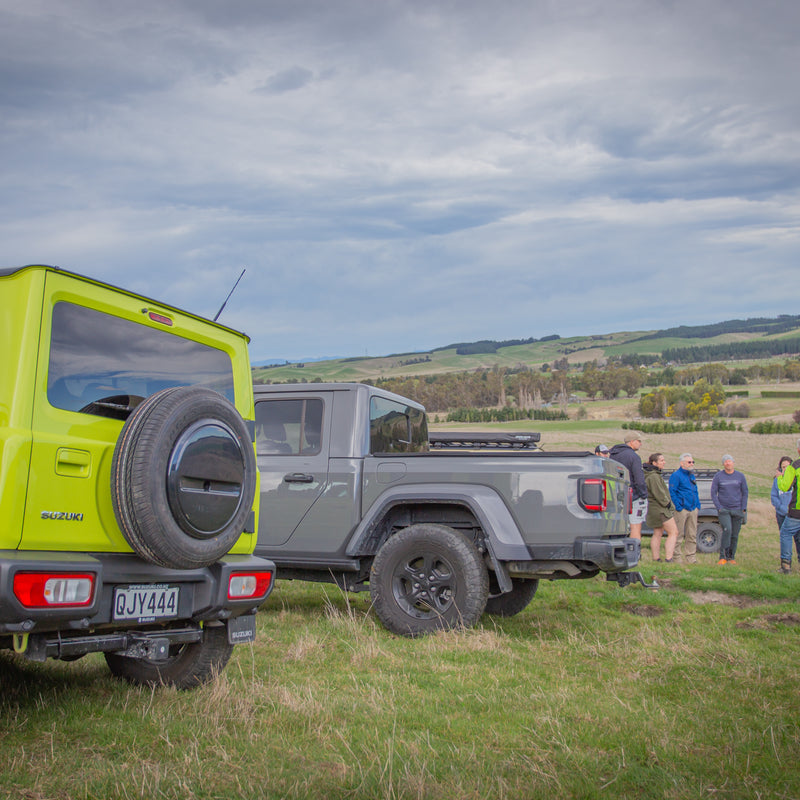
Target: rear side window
[
  {"x": 396, "y": 427},
  {"x": 289, "y": 427},
  {"x": 105, "y": 365}
]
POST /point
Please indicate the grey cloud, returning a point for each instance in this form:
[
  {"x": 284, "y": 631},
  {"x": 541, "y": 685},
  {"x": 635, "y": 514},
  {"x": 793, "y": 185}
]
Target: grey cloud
[
  {"x": 287, "y": 80},
  {"x": 400, "y": 166}
]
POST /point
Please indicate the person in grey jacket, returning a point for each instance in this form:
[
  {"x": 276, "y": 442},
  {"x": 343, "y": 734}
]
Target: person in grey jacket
[{"x": 729, "y": 495}]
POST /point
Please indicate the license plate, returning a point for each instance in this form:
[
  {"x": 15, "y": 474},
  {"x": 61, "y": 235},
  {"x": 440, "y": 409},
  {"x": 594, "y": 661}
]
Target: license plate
[{"x": 145, "y": 603}]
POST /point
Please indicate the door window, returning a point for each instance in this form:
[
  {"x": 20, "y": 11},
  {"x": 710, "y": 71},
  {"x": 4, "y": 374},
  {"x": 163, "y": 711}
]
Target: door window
[
  {"x": 396, "y": 427},
  {"x": 289, "y": 427}
]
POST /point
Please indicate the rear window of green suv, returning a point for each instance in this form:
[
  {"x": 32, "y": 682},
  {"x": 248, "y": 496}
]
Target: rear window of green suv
[{"x": 95, "y": 356}]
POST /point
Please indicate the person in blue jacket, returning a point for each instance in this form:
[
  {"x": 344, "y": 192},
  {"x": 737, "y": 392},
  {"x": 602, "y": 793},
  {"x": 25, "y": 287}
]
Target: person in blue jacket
[
  {"x": 686, "y": 498},
  {"x": 789, "y": 481},
  {"x": 779, "y": 499},
  {"x": 729, "y": 495}
]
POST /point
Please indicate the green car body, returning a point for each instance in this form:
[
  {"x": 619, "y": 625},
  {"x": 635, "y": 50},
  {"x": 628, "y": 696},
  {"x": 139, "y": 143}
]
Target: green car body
[{"x": 60, "y": 433}]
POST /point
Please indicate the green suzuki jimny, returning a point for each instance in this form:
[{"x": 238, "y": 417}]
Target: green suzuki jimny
[{"x": 127, "y": 481}]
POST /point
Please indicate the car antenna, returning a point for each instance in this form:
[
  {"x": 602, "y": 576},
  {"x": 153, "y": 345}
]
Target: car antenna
[{"x": 229, "y": 294}]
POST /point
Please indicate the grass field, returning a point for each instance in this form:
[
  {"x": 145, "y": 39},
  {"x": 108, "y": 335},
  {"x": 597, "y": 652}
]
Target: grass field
[{"x": 689, "y": 691}]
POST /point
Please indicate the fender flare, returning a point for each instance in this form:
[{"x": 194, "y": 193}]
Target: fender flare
[{"x": 503, "y": 536}]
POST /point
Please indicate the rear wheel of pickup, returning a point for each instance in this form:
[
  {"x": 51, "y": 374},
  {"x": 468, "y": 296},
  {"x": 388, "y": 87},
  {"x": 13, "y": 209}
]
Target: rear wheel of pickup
[
  {"x": 427, "y": 578},
  {"x": 187, "y": 666},
  {"x": 183, "y": 477},
  {"x": 709, "y": 536},
  {"x": 510, "y": 603}
]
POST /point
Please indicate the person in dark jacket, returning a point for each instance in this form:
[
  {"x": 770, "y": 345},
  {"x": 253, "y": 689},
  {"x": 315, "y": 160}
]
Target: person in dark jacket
[
  {"x": 729, "y": 495},
  {"x": 660, "y": 509},
  {"x": 626, "y": 455},
  {"x": 684, "y": 494}
]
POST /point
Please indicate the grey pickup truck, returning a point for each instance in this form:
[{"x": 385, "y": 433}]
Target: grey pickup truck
[{"x": 440, "y": 529}]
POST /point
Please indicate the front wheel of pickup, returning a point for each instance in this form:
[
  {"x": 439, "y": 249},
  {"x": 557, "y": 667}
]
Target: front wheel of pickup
[
  {"x": 510, "y": 603},
  {"x": 427, "y": 578},
  {"x": 187, "y": 666}
]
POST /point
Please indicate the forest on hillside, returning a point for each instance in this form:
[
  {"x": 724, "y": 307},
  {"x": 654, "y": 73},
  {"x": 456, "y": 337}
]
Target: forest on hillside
[{"x": 527, "y": 389}]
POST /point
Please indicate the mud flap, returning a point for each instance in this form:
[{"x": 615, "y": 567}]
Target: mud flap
[{"x": 242, "y": 629}]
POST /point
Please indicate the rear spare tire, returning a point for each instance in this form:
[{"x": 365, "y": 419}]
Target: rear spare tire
[{"x": 183, "y": 477}]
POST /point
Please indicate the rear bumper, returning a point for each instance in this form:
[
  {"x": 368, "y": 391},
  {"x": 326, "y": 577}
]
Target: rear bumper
[
  {"x": 583, "y": 558},
  {"x": 202, "y": 595},
  {"x": 609, "y": 555}
]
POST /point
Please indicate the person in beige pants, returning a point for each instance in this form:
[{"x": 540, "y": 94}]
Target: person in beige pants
[{"x": 684, "y": 494}]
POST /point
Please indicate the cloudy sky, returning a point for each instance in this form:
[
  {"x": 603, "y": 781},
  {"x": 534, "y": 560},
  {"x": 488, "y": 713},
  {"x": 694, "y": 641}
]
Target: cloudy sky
[{"x": 398, "y": 175}]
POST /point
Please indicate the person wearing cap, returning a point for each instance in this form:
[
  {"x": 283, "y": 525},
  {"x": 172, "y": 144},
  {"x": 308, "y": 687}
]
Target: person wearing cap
[
  {"x": 684, "y": 494},
  {"x": 626, "y": 455},
  {"x": 790, "y": 527},
  {"x": 729, "y": 495},
  {"x": 601, "y": 450}
]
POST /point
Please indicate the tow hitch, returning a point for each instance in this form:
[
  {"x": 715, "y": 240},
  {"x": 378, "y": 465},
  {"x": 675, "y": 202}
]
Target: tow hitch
[{"x": 627, "y": 578}]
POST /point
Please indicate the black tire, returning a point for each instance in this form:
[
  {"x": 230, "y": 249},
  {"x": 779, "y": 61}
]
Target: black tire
[
  {"x": 188, "y": 665},
  {"x": 510, "y": 603},
  {"x": 709, "y": 536},
  {"x": 183, "y": 477},
  {"x": 427, "y": 578}
]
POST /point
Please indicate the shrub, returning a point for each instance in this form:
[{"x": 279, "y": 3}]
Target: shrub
[{"x": 770, "y": 426}]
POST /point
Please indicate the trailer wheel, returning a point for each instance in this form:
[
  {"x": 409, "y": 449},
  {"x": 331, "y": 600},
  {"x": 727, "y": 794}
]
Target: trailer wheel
[
  {"x": 709, "y": 536},
  {"x": 183, "y": 477},
  {"x": 188, "y": 665},
  {"x": 427, "y": 578},
  {"x": 510, "y": 603}
]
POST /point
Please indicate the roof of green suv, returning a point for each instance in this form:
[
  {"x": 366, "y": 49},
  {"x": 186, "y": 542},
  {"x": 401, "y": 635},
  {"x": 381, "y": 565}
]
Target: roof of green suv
[{"x": 5, "y": 271}]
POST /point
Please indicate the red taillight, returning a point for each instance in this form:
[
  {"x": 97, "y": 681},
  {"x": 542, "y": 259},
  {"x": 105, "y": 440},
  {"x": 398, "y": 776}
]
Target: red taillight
[
  {"x": 54, "y": 589},
  {"x": 249, "y": 585},
  {"x": 594, "y": 494},
  {"x": 159, "y": 318},
  {"x": 630, "y": 500}
]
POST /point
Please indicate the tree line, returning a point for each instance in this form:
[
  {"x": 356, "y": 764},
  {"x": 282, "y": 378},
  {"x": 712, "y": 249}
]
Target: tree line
[
  {"x": 525, "y": 388},
  {"x": 755, "y": 348}
]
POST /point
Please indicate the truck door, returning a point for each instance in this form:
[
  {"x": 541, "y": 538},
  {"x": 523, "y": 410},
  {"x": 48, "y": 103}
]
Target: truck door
[{"x": 292, "y": 444}]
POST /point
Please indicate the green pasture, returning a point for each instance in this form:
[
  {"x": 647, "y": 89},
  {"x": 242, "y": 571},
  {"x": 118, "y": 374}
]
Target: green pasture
[
  {"x": 689, "y": 691},
  {"x": 576, "y": 348}
]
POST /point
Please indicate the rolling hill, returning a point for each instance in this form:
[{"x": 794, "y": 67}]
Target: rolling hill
[{"x": 710, "y": 342}]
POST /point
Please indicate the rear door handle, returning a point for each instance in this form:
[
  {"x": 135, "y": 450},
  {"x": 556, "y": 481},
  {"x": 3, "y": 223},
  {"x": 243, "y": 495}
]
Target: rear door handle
[{"x": 298, "y": 477}]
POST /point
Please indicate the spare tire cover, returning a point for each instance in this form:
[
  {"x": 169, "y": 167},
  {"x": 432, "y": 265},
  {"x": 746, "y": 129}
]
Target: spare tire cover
[{"x": 183, "y": 477}]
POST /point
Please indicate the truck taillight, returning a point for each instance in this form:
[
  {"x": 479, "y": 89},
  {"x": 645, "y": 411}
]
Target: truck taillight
[
  {"x": 593, "y": 494},
  {"x": 249, "y": 585},
  {"x": 54, "y": 589}
]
